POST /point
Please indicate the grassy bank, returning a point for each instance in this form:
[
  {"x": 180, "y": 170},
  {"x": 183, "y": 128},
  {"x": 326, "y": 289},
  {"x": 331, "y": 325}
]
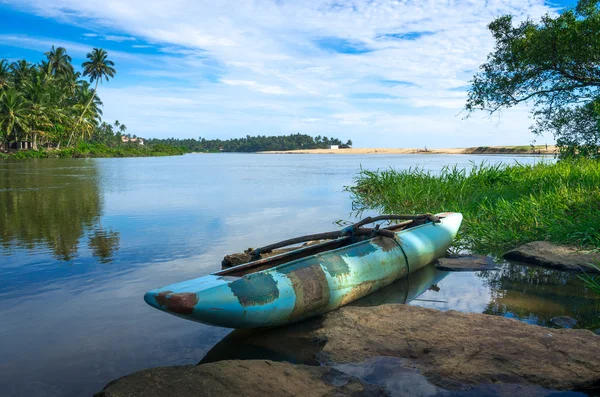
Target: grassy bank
[
  {"x": 97, "y": 150},
  {"x": 503, "y": 206}
]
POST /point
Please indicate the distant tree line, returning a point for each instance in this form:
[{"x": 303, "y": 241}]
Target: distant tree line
[{"x": 251, "y": 144}]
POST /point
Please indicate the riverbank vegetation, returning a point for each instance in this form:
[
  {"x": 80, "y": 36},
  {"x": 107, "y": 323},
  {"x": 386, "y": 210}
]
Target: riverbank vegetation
[
  {"x": 503, "y": 205},
  {"x": 85, "y": 149},
  {"x": 554, "y": 66}
]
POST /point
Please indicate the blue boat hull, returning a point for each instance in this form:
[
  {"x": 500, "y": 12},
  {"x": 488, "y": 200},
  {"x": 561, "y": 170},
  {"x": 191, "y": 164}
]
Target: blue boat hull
[{"x": 308, "y": 286}]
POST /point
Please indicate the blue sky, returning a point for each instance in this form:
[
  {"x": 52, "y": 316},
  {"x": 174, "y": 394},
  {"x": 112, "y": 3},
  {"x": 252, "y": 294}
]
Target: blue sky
[{"x": 380, "y": 72}]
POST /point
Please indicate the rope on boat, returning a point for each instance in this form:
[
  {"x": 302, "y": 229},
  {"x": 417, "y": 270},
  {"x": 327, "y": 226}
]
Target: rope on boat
[
  {"x": 350, "y": 232},
  {"x": 407, "y": 269}
]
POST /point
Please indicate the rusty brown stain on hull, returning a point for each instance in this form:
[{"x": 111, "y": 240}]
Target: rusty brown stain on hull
[
  {"x": 181, "y": 303},
  {"x": 311, "y": 289},
  {"x": 161, "y": 298}
]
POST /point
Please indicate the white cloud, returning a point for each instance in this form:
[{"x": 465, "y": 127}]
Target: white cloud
[
  {"x": 118, "y": 38},
  {"x": 253, "y": 85},
  {"x": 276, "y": 77},
  {"x": 109, "y": 37}
]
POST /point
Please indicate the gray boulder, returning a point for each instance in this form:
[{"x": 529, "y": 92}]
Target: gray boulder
[{"x": 560, "y": 257}]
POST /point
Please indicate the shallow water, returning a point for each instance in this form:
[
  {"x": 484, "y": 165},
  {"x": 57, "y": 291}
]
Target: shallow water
[
  {"x": 81, "y": 240},
  {"x": 396, "y": 377}
]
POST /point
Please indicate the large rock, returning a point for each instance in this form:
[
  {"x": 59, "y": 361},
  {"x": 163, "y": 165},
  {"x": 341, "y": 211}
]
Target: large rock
[
  {"x": 239, "y": 378},
  {"x": 478, "y": 353},
  {"x": 561, "y": 257},
  {"x": 452, "y": 348}
]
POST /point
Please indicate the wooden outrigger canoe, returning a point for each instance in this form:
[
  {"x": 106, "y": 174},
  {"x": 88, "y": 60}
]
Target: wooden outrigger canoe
[{"x": 310, "y": 280}]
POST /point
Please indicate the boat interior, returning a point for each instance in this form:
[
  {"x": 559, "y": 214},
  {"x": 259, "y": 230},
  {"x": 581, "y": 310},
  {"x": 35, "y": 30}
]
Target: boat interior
[{"x": 238, "y": 265}]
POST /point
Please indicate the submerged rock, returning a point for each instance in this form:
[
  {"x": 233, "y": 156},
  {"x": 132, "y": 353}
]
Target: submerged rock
[
  {"x": 564, "y": 321},
  {"x": 239, "y": 378},
  {"x": 462, "y": 263},
  {"x": 560, "y": 257}
]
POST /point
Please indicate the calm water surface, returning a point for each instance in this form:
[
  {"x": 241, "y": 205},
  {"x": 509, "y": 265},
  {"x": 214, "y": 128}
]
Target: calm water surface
[{"x": 81, "y": 240}]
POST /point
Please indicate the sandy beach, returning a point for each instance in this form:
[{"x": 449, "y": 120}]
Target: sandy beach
[{"x": 471, "y": 150}]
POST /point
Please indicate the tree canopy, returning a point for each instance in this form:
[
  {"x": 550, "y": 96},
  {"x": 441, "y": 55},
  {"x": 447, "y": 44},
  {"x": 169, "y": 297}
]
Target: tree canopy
[{"x": 553, "y": 65}]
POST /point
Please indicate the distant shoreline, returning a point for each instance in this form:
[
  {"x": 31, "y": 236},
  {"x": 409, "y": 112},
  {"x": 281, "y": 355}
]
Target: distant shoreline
[{"x": 524, "y": 150}]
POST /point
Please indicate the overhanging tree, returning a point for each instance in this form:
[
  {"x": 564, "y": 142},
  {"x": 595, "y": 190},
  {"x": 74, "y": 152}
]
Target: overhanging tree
[{"x": 553, "y": 65}]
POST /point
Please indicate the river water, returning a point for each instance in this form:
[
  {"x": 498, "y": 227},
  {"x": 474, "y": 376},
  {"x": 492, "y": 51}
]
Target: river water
[{"x": 81, "y": 240}]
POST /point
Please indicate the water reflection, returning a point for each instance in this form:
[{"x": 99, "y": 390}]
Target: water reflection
[
  {"x": 398, "y": 378},
  {"x": 407, "y": 289},
  {"x": 103, "y": 243},
  {"x": 51, "y": 206},
  {"x": 536, "y": 294}
]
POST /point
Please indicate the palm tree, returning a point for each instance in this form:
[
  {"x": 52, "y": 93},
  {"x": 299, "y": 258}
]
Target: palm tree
[
  {"x": 59, "y": 62},
  {"x": 88, "y": 105},
  {"x": 21, "y": 71},
  {"x": 13, "y": 112},
  {"x": 117, "y": 124},
  {"x": 99, "y": 68},
  {"x": 41, "y": 108},
  {"x": 4, "y": 73},
  {"x": 122, "y": 128}
]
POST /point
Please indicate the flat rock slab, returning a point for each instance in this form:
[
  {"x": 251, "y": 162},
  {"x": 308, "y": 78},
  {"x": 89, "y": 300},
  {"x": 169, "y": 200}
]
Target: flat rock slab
[
  {"x": 239, "y": 378},
  {"x": 466, "y": 263},
  {"x": 452, "y": 348},
  {"x": 560, "y": 257}
]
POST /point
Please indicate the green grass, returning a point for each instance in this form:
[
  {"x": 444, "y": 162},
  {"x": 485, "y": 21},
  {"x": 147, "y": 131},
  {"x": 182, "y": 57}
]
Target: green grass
[
  {"x": 503, "y": 206},
  {"x": 97, "y": 150}
]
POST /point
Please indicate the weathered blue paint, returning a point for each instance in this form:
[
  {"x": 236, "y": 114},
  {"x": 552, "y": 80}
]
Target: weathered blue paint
[
  {"x": 255, "y": 289},
  {"x": 308, "y": 286}
]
